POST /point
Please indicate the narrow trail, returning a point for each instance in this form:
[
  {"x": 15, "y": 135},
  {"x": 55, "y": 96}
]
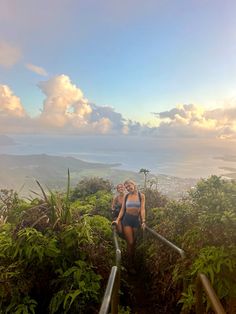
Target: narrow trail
[
  {"x": 136, "y": 291},
  {"x": 140, "y": 303},
  {"x": 141, "y": 300}
]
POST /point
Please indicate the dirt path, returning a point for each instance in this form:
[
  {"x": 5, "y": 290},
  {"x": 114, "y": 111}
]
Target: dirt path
[{"x": 136, "y": 295}]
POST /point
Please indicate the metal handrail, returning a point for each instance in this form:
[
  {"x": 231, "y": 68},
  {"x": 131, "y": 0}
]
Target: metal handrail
[
  {"x": 104, "y": 309},
  {"x": 118, "y": 251},
  {"x": 204, "y": 283},
  {"x": 170, "y": 244},
  {"x": 167, "y": 242},
  {"x": 111, "y": 296}
]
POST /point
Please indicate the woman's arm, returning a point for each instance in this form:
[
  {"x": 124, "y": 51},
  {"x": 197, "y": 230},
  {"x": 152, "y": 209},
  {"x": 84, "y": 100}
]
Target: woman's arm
[
  {"x": 113, "y": 203},
  {"x": 122, "y": 210},
  {"x": 142, "y": 209}
]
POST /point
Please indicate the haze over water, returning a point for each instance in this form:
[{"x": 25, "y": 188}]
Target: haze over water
[{"x": 177, "y": 157}]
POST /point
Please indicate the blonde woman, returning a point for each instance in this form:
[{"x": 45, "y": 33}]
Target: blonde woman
[
  {"x": 118, "y": 200},
  {"x": 132, "y": 214}
]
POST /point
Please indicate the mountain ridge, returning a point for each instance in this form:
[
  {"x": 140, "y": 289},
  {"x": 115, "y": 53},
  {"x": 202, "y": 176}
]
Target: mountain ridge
[{"x": 20, "y": 172}]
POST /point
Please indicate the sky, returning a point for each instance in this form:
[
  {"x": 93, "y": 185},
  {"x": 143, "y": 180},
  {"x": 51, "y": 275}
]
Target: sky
[{"x": 161, "y": 68}]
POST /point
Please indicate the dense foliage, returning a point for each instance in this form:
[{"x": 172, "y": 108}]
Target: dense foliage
[
  {"x": 204, "y": 225},
  {"x": 56, "y": 250},
  {"x": 55, "y": 255},
  {"x": 89, "y": 186}
]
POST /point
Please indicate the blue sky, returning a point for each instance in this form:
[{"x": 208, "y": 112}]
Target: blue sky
[{"x": 155, "y": 67}]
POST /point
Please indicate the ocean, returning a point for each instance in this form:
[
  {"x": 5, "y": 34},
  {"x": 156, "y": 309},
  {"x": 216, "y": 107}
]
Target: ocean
[{"x": 186, "y": 158}]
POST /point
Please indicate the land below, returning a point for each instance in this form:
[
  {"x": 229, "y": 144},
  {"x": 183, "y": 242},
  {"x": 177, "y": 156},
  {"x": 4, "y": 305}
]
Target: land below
[
  {"x": 20, "y": 172},
  {"x": 230, "y": 171}
]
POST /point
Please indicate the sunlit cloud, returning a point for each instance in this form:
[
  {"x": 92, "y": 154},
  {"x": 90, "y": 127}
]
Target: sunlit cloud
[
  {"x": 66, "y": 110},
  {"x": 10, "y": 105},
  {"x": 36, "y": 69},
  {"x": 13, "y": 117},
  {"x": 193, "y": 120},
  {"x": 61, "y": 97},
  {"x": 65, "y": 107},
  {"x": 9, "y": 54}
]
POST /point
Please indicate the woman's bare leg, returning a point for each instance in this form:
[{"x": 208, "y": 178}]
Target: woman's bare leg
[{"x": 129, "y": 233}]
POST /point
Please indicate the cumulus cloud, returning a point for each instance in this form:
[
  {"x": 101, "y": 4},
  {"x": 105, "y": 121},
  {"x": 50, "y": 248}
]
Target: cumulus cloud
[
  {"x": 66, "y": 110},
  {"x": 36, "y": 69},
  {"x": 65, "y": 107},
  {"x": 195, "y": 121},
  {"x": 13, "y": 117},
  {"x": 63, "y": 101},
  {"x": 10, "y": 105},
  {"x": 98, "y": 113},
  {"x": 9, "y": 54}
]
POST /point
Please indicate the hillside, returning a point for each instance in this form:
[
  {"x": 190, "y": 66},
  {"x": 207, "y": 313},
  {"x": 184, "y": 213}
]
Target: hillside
[
  {"x": 21, "y": 172},
  {"x": 6, "y": 140}
]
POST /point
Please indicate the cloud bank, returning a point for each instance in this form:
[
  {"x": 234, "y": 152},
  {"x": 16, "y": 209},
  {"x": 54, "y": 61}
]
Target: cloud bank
[
  {"x": 194, "y": 121},
  {"x": 66, "y": 110}
]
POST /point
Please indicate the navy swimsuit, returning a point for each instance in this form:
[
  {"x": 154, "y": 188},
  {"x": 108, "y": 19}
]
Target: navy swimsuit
[{"x": 131, "y": 220}]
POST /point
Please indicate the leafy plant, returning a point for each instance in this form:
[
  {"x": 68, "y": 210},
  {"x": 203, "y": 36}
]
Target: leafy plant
[
  {"x": 79, "y": 285},
  {"x": 26, "y": 307},
  {"x": 219, "y": 265},
  {"x": 58, "y": 204},
  {"x": 33, "y": 246},
  {"x": 89, "y": 186}
]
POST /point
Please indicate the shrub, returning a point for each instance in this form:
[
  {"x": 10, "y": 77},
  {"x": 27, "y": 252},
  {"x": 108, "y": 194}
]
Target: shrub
[{"x": 88, "y": 186}]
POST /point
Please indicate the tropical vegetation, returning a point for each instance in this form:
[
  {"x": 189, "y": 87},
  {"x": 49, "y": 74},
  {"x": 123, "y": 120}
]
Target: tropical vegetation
[{"x": 56, "y": 249}]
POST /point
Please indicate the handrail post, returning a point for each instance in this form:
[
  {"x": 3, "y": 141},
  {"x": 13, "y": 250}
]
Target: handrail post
[
  {"x": 171, "y": 245},
  {"x": 199, "y": 293},
  {"x": 203, "y": 282},
  {"x": 115, "y": 296},
  {"x": 167, "y": 242},
  {"x": 111, "y": 296},
  {"x": 109, "y": 292}
]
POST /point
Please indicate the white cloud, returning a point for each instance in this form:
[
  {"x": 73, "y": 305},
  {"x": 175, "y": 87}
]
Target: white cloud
[
  {"x": 193, "y": 120},
  {"x": 13, "y": 118},
  {"x": 9, "y": 54},
  {"x": 10, "y": 105},
  {"x": 102, "y": 126},
  {"x": 36, "y": 69},
  {"x": 64, "y": 103},
  {"x": 66, "y": 110}
]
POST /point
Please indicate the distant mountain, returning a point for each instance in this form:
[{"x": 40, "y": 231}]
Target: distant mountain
[
  {"x": 6, "y": 140},
  {"x": 231, "y": 170},
  {"x": 21, "y": 172}
]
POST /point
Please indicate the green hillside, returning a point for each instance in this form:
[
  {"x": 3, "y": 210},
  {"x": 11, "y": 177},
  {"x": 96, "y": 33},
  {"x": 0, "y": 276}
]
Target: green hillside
[{"x": 21, "y": 172}]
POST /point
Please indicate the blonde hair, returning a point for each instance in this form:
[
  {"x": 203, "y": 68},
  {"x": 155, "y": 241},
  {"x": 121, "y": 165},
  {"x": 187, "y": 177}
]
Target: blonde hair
[
  {"x": 120, "y": 185},
  {"x": 131, "y": 182}
]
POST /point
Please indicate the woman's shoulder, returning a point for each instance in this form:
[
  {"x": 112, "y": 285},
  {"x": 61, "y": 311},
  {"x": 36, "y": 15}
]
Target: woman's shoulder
[
  {"x": 126, "y": 196},
  {"x": 115, "y": 197},
  {"x": 142, "y": 195},
  {"x": 118, "y": 197}
]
